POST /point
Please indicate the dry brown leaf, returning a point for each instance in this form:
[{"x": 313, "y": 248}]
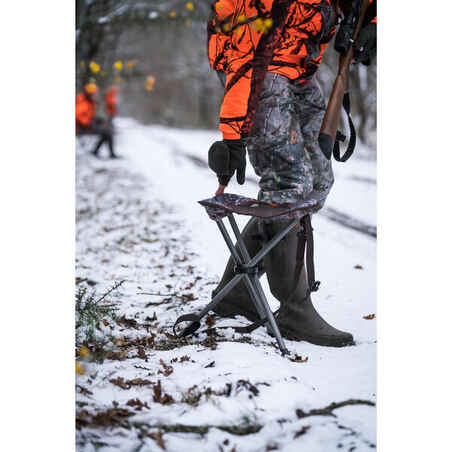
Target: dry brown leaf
[
  {"x": 138, "y": 404},
  {"x": 129, "y": 383},
  {"x": 302, "y": 431},
  {"x": 120, "y": 382},
  {"x": 369, "y": 317},
  {"x": 158, "y": 438},
  {"x": 167, "y": 370},
  {"x": 141, "y": 353},
  {"x": 299, "y": 359},
  {"x": 358, "y": 267},
  {"x": 210, "y": 321},
  {"x": 159, "y": 397}
]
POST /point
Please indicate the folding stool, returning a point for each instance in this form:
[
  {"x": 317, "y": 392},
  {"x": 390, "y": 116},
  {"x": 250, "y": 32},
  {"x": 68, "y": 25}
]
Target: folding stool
[{"x": 246, "y": 268}]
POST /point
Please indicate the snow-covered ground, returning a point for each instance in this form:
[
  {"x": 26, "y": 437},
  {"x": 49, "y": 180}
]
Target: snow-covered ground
[{"x": 140, "y": 222}]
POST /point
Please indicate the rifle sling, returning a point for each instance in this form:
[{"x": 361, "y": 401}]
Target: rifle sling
[
  {"x": 305, "y": 241},
  {"x": 341, "y": 137}
]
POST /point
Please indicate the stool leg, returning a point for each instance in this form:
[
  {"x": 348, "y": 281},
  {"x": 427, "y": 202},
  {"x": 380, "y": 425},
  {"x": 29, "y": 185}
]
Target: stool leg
[
  {"x": 246, "y": 259},
  {"x": 238, "y": 261},
  {"x": 274, "y": 327},
  {"x": 255, "y": 288}
]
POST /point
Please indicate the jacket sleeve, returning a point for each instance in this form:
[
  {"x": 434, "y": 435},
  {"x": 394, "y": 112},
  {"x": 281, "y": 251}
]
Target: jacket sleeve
[{"x": 218, "y": 38}]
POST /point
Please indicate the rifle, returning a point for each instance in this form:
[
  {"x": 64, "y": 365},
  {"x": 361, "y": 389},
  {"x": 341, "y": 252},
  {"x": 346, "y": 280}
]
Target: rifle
[{"x": 329, "y": 136}]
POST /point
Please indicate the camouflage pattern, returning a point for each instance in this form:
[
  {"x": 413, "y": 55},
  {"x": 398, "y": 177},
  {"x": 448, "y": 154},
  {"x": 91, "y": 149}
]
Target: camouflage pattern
[
  {"x": 282, "y": 145},
  {"x": 222, "y": 205}
]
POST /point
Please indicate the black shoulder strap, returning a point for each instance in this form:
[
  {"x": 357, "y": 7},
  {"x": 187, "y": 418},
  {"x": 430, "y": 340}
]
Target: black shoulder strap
[
  {"x": 310, "y": 269},
  {"x": 341, "y": 137},
  {"x": 305, "y": 241}
]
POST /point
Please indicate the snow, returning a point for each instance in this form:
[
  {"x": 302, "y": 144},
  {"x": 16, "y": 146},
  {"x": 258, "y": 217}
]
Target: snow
[{"x": 162, "y": 168}]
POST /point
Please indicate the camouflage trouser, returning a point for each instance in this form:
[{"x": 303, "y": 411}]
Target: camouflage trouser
[{"x": 282, "y": 145}]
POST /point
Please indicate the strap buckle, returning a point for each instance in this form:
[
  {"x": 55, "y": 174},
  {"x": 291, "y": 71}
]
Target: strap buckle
[{"x": 315, "y": 286}]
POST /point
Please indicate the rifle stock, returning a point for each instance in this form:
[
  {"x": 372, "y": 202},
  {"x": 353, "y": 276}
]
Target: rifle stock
[{"x": 330, "y": 124}]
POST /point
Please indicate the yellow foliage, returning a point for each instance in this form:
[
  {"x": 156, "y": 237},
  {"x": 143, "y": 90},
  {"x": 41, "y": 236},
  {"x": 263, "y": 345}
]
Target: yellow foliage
[
  {"x": 91, "y": 87},
  {"x": 150, "y": 81},
  {"x": 118, "y": 65},
  {"x": 190, "y": 6},
  {"x": 94, "y": 67},
  {"x": 84, "y": 351},
  {"x": 241, "y": 19},
  {"x": 79, "y": 369}
]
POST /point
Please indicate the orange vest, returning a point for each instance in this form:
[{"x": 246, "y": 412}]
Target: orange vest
[
  {"x": 111, "y": 102},
  {"x": 248, "y": 38},
  {"x": 85, "y": 110}
]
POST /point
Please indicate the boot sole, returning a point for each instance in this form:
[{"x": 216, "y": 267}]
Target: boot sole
[{"x": 325, "y": 342}]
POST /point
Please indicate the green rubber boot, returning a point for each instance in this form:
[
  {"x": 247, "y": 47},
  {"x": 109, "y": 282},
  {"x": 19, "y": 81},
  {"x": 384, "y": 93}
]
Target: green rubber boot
[
  {"x": 238, "y": 300},
  {"x": 297, "y": 319}
]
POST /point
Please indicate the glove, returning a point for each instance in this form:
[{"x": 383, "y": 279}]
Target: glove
[
  {"x": 225, "y": 157},
  {"x": 365, "y": 47}
]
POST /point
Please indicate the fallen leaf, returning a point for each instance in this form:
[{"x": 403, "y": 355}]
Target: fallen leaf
[
  {"x": 302, "y": 431},
  {"x": 141, "y": 353},
  {"x": 299, "y": 359},
  {"x": 210, "y": 321},
  {"x": 129, "y": 383},
  {"x": 369, "y": 317},
  {"x": 154, "y": 317},
  {"x": 358, "y": 267},
  {"x": 168, "y": 370},
  {"x": 160, "y": 397},
  {"x": 129, "y": 323},
  {"x": 84, "y": 390},
  {"x": 120, "y": 382},
  {"x": 158, "y": 438},
  {"x": 138, "y": 404}
]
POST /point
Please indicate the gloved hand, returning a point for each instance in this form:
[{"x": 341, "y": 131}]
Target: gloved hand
[
  {"x": 365, "y": 47},
  {"x": 225, "y": 157}
]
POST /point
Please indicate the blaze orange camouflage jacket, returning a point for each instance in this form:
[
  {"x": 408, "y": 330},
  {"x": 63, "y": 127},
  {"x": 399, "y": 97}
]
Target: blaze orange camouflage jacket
[{"x": 248, "y": 38}]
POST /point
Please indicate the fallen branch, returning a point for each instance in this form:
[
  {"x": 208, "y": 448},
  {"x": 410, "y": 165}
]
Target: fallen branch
[{"x": 328, "y": 410}]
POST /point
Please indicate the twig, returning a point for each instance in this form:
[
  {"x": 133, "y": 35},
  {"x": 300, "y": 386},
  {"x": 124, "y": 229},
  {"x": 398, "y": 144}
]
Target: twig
[
  {"x": 328, "y": 410},
  {"x": 115, "y": 286}
]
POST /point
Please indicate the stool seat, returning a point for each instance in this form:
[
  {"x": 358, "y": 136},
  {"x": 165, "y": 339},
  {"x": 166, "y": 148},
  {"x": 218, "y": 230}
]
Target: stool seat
[{"x": 221, "y": 206}]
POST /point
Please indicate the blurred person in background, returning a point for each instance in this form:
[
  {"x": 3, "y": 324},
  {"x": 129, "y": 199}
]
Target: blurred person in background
[
  {"x": 111, "y": 102},
  {"x": 87, "y": 123}
]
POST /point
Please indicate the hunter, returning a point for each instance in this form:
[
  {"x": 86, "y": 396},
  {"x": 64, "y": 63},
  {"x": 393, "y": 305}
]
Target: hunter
[
  {"x": 86, "y": 122},
  {"x": 266, "y": 53}
]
